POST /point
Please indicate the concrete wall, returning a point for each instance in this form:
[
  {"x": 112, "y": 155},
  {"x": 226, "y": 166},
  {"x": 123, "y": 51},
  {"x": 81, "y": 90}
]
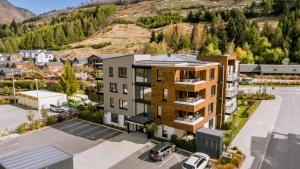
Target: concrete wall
[{"x": 44, "y": 102}]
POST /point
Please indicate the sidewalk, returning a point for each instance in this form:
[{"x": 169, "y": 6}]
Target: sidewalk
[{"x": 258, "y": 126}]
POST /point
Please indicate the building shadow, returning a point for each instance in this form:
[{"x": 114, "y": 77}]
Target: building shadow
[{"x": 276, "y": 151}]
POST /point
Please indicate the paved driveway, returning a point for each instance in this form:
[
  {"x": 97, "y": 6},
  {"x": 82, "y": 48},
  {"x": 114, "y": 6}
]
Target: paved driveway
[
  {"x": 270, "y": 139},
  {"x": 11, "y": 116}
]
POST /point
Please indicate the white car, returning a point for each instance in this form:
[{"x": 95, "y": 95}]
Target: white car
[{"x": 196, "y": 161}]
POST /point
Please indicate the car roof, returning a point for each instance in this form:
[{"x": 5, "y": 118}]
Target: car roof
[
  {"x": 194, "y": 158},
  {"x": 160, "y": 146}
]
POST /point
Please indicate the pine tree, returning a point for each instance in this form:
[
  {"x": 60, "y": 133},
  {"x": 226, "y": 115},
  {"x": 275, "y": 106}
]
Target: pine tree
[
  {"x": 68, "y": 82},
  {"x": 38, "y": 42},
  {"x": 60, "y": 36},
  {"x": 153, "y": 37},
  {"x": 198, "y": 37},
  {"x": 160, "y": 37},
  {"x": 48, "y": 37}
]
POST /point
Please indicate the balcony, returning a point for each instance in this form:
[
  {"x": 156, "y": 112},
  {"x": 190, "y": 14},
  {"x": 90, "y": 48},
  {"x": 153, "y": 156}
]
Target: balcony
[
  {"x": 232, "y": 77},
  {"x": 189, "y": 120},
  {"x": 192, "y": 101},
  {"x": 100, "y": 105},
  {"x": 189, "y": 81},
  {"x": 231, "y": 92}
]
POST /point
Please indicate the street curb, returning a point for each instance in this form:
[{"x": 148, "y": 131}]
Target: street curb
[{"x": 188, "y": 152}]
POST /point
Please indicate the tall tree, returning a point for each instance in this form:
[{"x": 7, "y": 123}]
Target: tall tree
[
  {"x": 38, "y": 42},
  {"x": 68, "y": 82},
  {"x": 198, "y": 36}
]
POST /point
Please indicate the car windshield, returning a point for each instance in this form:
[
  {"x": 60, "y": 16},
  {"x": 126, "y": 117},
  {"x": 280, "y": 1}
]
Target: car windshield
[{"x": 188, "y": 166}]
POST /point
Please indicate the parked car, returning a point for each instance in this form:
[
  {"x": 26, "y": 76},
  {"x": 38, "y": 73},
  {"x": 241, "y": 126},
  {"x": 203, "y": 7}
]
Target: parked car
[
  {"x": 55, "y": 108},
  {"x": 160, "y": 151},
  {"x": 196, "y": 161},
  {"x": 84, "y": 98}
]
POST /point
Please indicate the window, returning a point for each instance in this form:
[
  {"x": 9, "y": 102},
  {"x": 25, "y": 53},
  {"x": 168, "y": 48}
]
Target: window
[
  {"x": 213, "y": 91},
  {"x": 125, "y": 90},
  {"x": 123, "y": 104},
  {"x": 165, "y": 95},
  {"x": 210, "y": 108},
  {"x": 211, "y": 123},
  {"x": 158, "y": 111},
  {"x": 142, "y": 108},
  {"x": 212, "y": 74},
  {"x": 159, "y": 75},
  {"x": 111, "y": 72},
  {"x": 113, "y": 87},
  {"x": 164, "y": 131},
  {"x": 112, "y": 102},
  {"x": 142, "y": 75},
  {"x": 114, "y": 118},
  {"x": 123, "y": 72},
  {"x": 143, "y": 93}
]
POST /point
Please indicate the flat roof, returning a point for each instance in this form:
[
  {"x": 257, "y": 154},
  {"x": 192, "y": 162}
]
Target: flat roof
[
  {"x": 42, "y": 93},
  {"x": 209, "y": 131},
  {"x": 38, "y": 158},
  {"x": 174, "y": 60}
]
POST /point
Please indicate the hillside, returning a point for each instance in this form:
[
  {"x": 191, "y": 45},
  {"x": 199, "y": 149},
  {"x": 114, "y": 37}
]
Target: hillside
[{"x": 9, "y": 12}]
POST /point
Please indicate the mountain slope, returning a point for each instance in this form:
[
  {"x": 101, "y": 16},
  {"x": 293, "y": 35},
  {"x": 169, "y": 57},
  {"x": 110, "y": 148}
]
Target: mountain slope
[{"x": 8, "y": 12}]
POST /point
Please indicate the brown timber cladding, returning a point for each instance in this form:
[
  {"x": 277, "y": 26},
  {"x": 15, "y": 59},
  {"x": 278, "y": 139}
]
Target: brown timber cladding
[{"x": 169, "y": 75}]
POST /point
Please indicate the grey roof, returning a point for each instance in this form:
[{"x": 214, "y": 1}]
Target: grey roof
[
  {"x": 8, "y": 70},
  {"x": 107, "y": 56},
  {"x": 54, "y": 63},
  {"x": 249, "y": 68},
  {"x": 209, "y": 131},
  {"x": 270, "y": 69},
  {"x": 140, "y": 119},
  {"x": 38, "y": 158}
]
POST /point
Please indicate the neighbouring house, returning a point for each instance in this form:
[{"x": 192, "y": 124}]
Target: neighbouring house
[
  {"x": 249, "y": 69},
  {"x": 7, "y": 72},
  {"x": 53, "y": 67},
  {"x": 25, "y": 66},
  {"x": 37, "y": 55},
  {"x": 181, "y": 93},
  {"x": 30, "y": 98},
  {"x": 14, "y": 58},
  {"x": 77, "y": 61},
  {"x": 3, "y": 57}
]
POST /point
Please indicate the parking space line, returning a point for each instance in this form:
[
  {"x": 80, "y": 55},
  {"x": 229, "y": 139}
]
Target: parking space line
[
  {"x": 13, "y": 152},
  {"x": 91, "y": 136},
  {"x": 79, "y": 127},
  {"x": 85, "y": 131},
  {"x": 72, "y": 124},
  {"x": 8, "y": 146},
  {"x": 110, "y": 134}
]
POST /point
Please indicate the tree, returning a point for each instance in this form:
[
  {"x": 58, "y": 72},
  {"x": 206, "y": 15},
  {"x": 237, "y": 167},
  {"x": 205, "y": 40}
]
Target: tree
[
  {"x": 244, "y": 54},
  {"x": 175, "y": 38},
  {"x": 267, "y": 30},
  {"x": 160, "y": 37},
  {"x": 68, "y": 82},
  {"x": 211, "y": 50},
  {"x": 38, "y": 42},
  {"x": 154, "y": 48},
  {"x": 267, "y": 7},
  {"x": 186, "y": 43},
  {"x": 198, "y": 37},
  {"x": 60, "y": 36},
  {"x": 153, "y": 37},
  {"x": 274, "y": 56}
]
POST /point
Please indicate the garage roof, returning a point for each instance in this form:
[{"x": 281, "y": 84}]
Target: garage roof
[
  {"x": 42, "y": 93},
  {"x": 38, "y": 158}
]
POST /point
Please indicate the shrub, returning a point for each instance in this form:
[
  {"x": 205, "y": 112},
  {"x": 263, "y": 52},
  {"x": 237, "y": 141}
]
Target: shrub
[
  {"x": 226, "y": 166},
  {"x": 227, "y": 125},
  {"x": 100, "y": 45},
  {"x": 237, "y": 160},
  {"x": 160, "y": 20},
  {"x": 51, "y": 120},
  {"x": 188, "y": 145},
  {"x": 37, "y": 124},
  {"x": 22, "y": 128}
]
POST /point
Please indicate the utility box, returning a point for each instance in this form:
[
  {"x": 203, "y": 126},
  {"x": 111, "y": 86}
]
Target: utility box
[
  {"x": 48, "y": 157},
  {"x": 210, "y": 142}
]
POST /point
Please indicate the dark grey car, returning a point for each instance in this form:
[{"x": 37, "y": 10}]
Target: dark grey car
[{"x": 161, "y": 150}]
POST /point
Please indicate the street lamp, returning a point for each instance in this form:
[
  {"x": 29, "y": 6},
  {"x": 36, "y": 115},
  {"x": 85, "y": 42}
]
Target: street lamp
[
  {"x": 14, "y": 88},
  {"x": 38, "y": 100}
]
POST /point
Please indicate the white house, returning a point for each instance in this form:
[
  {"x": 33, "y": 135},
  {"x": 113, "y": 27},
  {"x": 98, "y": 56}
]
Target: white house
[
  {"x": 3, "y": 57},
  {"x": 41, "y": 56},
  {"x": 29, "y": 98}
]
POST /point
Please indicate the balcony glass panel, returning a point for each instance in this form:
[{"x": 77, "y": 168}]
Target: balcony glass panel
[
  {"x": 189, "y": 118},
  {"x": 191, "y": 77}
]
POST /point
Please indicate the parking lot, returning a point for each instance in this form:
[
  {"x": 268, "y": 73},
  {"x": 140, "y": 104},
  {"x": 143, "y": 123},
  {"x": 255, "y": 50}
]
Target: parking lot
[
  {"x": 12, "y": 116},
  {"x": 87, "y": 130},
  {"x": 141, "y": 159}
]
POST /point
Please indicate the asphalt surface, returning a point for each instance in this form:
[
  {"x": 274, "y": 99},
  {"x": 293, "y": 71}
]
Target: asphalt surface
[
  {"x": 280, "y": 148},
  {"x": 87, "y": 130},
  {"x": 141, "y": 160}
]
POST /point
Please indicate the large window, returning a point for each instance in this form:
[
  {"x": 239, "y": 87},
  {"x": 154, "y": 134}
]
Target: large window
[
  {"x": 123, "y": 104},
  {"x": 114, "y": 118},
  {"x": 112, "y": 102},
  {"x": 165, "y": 95},
  {"x": 113, "y": 87},
  {"x": 142, "y": 75},
  {"x": 159, "y": 75},
  {"x": 122, "y": 72},
  {"x": 164, "y": 131},
  {"x": 125, "y": 89},
  {"x": 158, "y": 111},
  {"x": 212, "y": 74},
  {"x": 210, "y": 108},
  {"x": 213, "y": 91},
  {"x": 142, "y": 108},
  {"x": 143, "y": 93},
  {"x": 111, "y": 71}
]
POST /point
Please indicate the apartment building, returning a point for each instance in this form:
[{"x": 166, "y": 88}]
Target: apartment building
[{"x": 178, "y": 92}]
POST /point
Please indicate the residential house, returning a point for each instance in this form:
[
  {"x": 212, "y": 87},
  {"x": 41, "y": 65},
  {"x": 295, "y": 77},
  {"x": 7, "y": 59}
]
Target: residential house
[
  {"x": 14, "y": 58},
  {"x": 39, "y": 56},
  {"x": 53, "y": 67},
  {"x": 249, "y": 69},
  {"x": 25, "y": 66},
  {"x": 3, "y": 57},
  {"x": 7, "y": 72}
]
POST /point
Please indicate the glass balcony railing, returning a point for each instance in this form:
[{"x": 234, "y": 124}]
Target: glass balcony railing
[
  {"x": 232, "y": 76},
  {"x": 189, "y": 101},
  {"x": 189, "y": 81},
  {"x": 190, "y": 120},
  {"x": 231, "y": 92}
]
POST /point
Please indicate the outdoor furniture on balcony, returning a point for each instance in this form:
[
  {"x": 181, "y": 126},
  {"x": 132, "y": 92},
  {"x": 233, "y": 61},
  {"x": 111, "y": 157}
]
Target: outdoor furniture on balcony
[{"x": 189, "y": 81}]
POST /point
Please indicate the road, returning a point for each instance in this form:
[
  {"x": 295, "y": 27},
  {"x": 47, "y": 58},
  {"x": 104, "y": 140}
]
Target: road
[{"x": 271, "y": 137}]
